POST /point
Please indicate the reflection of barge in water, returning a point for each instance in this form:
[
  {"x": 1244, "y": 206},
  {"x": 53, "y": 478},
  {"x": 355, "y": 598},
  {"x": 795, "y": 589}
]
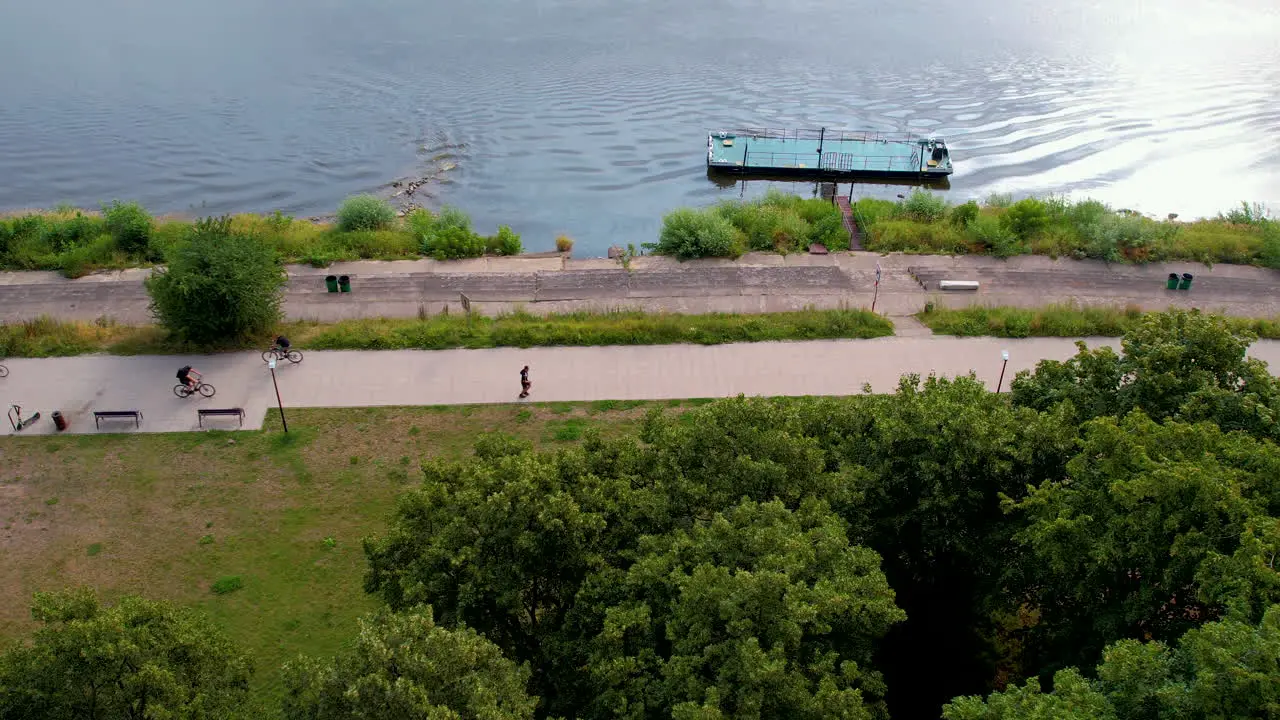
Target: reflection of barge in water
[{"x": 827, "y": 153}]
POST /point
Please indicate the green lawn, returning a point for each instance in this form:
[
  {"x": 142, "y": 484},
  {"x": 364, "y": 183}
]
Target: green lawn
[{"x": 168, "y": 515}]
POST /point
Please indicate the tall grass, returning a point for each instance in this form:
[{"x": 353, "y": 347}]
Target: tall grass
[
  {"x": 1056, "y": 321},
  {"x": 595, "y": 329},
  {"x": 1054, "y": 226},
  {"x": 50, "y": 338}
]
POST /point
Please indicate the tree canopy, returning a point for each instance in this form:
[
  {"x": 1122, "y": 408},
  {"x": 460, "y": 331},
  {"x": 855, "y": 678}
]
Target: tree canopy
[
  {"x": 137, "y": 659},
  {"x": 1225, "y": 669},
  {"x": 404, "y": 667}
]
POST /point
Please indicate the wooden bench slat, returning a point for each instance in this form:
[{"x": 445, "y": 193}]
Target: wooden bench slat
[
  {"x": 202, "y": 412},
  {"x": 99, "y": 414}
]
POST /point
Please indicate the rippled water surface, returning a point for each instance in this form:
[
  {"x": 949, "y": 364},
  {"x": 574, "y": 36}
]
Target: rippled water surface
[{"x": 589, "y": 117}]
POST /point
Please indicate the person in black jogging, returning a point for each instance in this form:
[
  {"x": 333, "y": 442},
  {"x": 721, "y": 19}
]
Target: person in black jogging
[{"x": 524, "y": 382}]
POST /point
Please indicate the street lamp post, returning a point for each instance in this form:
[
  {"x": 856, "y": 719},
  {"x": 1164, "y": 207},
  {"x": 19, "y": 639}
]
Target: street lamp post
[
  {"x": 272, "y": 365},
  {"x": 1004, "y": 354}
]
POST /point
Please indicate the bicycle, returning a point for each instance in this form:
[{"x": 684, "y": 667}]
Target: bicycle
[
  {"x": 4, "y": 371},
  {"x": 185, "y": 391},
  {"x": 278, "y": 353}
]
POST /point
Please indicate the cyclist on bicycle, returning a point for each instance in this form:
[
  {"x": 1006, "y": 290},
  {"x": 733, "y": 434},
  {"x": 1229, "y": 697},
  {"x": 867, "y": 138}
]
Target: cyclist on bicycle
[
  {"x": 189, "y": 376},
  {"x": 282, "y": 342}
]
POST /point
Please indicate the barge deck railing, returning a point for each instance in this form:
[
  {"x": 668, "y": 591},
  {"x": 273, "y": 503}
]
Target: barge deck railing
[{"x": 826, "y": 134}]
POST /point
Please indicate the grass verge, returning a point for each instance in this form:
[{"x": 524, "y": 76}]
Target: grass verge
[
  {"x": 261, "y": 530},
  {"x": 1056, "y": 321},
  {"x": 45, "y": 337}
]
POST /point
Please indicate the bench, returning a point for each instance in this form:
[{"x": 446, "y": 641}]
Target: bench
[
  {"x": 100, "y": 414},
  {"x": 206, "y": 412}
]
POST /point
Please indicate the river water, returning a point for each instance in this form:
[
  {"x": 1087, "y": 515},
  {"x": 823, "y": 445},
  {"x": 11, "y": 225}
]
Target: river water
[{"x": 589, "y": 117}]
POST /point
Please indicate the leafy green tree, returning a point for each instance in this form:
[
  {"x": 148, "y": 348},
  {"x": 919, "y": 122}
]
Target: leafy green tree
[
  {"x": 935, "y": 459},
  {"x": 502, "y": 544},
  {"x": 1223, "y": 670},
  {"x": 759, "y": 612},
  {"x": 404, "y": 667},
  {"x": 136, "y": 660},
  {"x": 1156, "y": 529},
  {"x": 1181, "y": 364},
  {"x": 219, "y": 285},
  {"x": 709, "y": 459},
  {"x": 1073, "y": 698}
]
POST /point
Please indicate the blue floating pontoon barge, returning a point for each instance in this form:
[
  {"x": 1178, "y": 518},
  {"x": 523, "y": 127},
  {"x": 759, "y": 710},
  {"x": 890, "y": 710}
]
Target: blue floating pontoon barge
[{"x": 827, "y": 153}]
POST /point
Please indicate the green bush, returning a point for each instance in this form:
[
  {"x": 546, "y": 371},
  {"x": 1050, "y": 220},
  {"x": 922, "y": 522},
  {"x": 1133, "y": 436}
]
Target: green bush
[
  {"x": 755, "y": 221},
  {"x": 505, "y": 242},
  {"x": 129, "y": 224},
  {"x": 219, "y": 286},
  {"x": 830, "y": 232},
  {"x": 962, "y": 215},
  {"x": 1087, "y": 212},
  {"x": 365, "y": 212},
  {"x": 84, "y": 259},
  {"x": 67, "y": 233},
  {"x": 688, "y": 233},
  {"x": 994, "y": 236},
  {"x": 455, "y": 243},
  {"x": 1025, "y": 218},
  {"x": 447, "y": 235},
  {"x": 791, "y": 233},
  {"x": 915, "y": 237},
  {"x": 923, "y": 206}
]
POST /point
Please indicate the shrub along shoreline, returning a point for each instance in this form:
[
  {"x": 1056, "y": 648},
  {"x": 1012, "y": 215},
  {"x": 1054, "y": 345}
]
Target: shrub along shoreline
[
  {"x": 1060, "y": 321},
  {"x": 46, "y": 337},
  {"x": 926, "y": 223},
  {"x": 76, "y": 243}
]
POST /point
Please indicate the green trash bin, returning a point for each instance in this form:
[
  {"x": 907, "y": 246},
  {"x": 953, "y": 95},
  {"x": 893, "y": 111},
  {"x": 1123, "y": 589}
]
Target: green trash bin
[
  {"x": 331, "y": 282},
  {"x": 344, "y": 283},
  {"x": 1173, "y": 281},
  {"x": 1186, "y": 282}
]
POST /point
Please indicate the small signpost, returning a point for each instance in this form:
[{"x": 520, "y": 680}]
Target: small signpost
[
  {"x": 876, "y": 295},
  {"x": 271, "y": 365},
  {"x": 466, "y": 307}
]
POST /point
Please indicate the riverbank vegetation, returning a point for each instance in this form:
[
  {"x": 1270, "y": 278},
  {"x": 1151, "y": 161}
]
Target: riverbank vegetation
[
  {"x": 1110, "y": 523},
  {"x": 778, "y": 222},
  {"x": 925, "y": 223},
  {"x": 46, "y": 337},
  {"x": 1058, "y": 321},
  {"x": 75, "y": 243},
  {"x": 1057, "y": 227}
]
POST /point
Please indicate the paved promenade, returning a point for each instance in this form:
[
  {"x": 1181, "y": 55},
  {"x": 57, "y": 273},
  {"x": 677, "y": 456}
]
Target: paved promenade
[
  {"x": 77, "y": 386},
  {"x": 755, "y": 283}
]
